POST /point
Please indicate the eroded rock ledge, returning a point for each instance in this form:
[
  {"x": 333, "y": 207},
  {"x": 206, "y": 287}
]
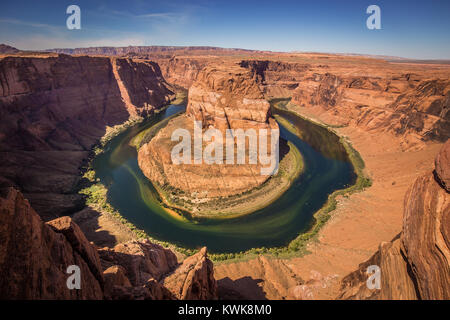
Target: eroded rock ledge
[{"x": 34, "y": 257}]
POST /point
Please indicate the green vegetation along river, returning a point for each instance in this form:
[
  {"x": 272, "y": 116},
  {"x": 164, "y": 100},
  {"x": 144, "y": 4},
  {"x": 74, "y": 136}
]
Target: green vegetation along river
[{"x": 327, "y": 168}]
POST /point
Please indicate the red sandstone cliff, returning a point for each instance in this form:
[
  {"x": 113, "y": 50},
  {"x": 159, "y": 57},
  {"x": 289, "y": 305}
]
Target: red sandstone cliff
[
  {"x": 34, "y": 257},
  {"x": 408, "y": 101},
  {"x": 415, "y": 108},
  {"x": 152, "y": 50},
  {"x": 55, "y": 108},
  {"x": 182, "y": 71},
  {"x": 370, "y": 94},
  {"x": 416, "y": 264}
]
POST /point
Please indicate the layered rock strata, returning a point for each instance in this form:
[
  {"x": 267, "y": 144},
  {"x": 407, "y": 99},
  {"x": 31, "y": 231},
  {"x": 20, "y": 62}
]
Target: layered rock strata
[
  {"x": 376, "y": 96},
  {"x": 226, "y": 97},
  {"x": 403, "y": 105},
  {"x": 55, "y": 108},
  {"x": 35, "y": 257},
  {"x": 416, "y": 264},
  {"x": 407, "y": 100}
]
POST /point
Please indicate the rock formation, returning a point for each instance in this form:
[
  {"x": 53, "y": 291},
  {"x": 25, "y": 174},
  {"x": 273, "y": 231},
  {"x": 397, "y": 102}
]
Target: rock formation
[
  {"x": 55, "y": 108},
  {"x": 416, "y": 264},
  {"x": 34, "y": 257},
  {"x": 196, "y": 275},
  {"x": 143, "y": 260},
  {"x": 182, "y": 71},
  {"x": 409, "y": 107},
  {"x": 141, "y": 84},
  {"x": 151, "y": 50},
  {"x": 374, "y": 95},
  {"x": 442, "y": 165},
  {"x": 5, "y": 49},
  {"x": 226, "y": 97}
]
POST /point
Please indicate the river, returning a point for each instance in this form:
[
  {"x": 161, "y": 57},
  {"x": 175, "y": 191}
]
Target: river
[{"x": 327, "y": 168}]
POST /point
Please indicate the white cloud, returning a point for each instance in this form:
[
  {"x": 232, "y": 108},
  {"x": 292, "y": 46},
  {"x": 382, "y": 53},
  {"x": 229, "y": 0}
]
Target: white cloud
[
  {"x": 47, "y": 27},
  {"x": 40, "y": 42},
  {"x": 44, "y": 36}
]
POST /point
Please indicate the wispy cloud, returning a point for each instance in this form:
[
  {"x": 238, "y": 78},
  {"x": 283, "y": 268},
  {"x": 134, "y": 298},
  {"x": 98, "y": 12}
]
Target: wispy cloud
[
  {"x": 152, "y": 16},
  {"x": 102, "y": 26},
  {"x": 31, "y": 24},
  {"x": 166, "y": 15},
  {"x": 39, "y": 42}
]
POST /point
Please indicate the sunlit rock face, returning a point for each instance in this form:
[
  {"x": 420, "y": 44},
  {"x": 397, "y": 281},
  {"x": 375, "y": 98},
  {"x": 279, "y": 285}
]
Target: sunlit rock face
[
  {"x": 414, "y": 265},
  {"x": 222, "y": 97},
  {"x": 412, "y": 107},
  {"x": 54, "y": 108},
  {"x": 35, "y": 257}
]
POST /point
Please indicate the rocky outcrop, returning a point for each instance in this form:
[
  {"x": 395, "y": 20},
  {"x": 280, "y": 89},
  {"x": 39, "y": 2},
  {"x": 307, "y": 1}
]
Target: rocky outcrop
[
  {"x": 5, "y": 49},
  {"x": 193, "y": 280},
  {"x": 223, "y": 97},
  {"x": 182, "y": 71},
  {"x": 142, "y": 85},
  {"x": 55, "y": 108},
  {"x": 410, "y": 107},
  {"x": 149, "y": 50},
  {"x": 279, "y": 78},
  {"x": 78, "y": 241},
  {"x": 227, "y": 97},
  {"x": 142, "y": 260},
  {"x": 35, "y": 257},
  {"x": 442, "y": 165},
  {"x": 416, "y": 264}
]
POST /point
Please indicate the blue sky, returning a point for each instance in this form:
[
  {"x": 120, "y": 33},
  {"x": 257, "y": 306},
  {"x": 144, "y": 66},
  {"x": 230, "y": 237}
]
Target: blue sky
[{"x": 413, "y": 29}]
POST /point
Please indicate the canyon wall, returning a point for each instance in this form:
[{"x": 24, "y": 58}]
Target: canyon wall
[
  {"x": 416, "y": 264},
  {"x": 404, "y": 105},
  {"x": 408, "y": 102},
  {"x": 279, "y": 79},
  {"x": 34, "y": 257},
  {"x": 182, "y": 71},
  {"x": 55, "y": 108},
  {"x": 222, "y": 97},
  {"x": 370, "y": 94},
  {"x": 152, "y": 50}
]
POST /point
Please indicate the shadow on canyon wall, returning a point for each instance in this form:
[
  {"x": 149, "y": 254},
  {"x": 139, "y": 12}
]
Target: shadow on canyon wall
[
  {"x": 89, "y": 221},
  {"x": 245, "y": 288}
]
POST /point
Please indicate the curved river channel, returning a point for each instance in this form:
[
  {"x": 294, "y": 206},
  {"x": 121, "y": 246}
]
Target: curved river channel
[{"x": 327, "y": 168}]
